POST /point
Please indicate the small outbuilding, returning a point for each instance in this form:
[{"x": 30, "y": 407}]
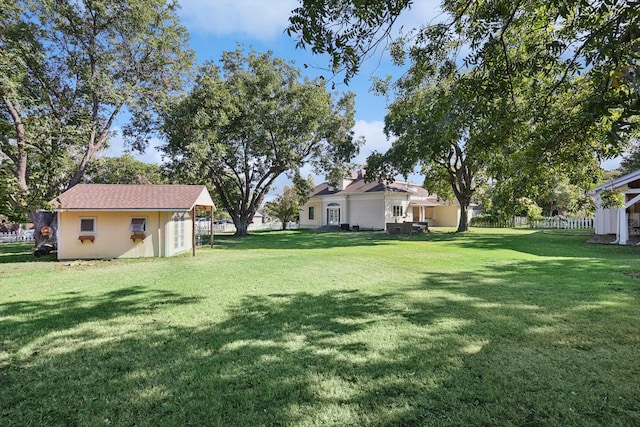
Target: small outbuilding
[
  {"x": 128, "y": 221},
  {"x": 624, "y": 222}
]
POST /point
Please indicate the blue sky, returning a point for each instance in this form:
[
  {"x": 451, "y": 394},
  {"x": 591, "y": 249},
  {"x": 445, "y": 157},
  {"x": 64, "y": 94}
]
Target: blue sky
[{"x": 216, "y": 26}]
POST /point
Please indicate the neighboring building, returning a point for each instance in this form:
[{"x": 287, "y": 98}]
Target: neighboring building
[
  {"x": 128, "y": 221},
  {"x": 373, "y": 205},
  {"x": 623, "y": 222}
]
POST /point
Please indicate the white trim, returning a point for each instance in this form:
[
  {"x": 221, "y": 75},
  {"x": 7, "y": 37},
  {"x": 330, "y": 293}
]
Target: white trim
[
  {"x": 618, "y": 182},
  {"x": 95, "y": 225},
  {"x": 632, "y": 201},
  {"x": 125, "y": 210},
  {"x": 144, "y": 223}
]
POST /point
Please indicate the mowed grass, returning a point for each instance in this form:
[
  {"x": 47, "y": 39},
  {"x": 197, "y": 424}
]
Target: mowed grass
[{"x": 492, "y": 327}]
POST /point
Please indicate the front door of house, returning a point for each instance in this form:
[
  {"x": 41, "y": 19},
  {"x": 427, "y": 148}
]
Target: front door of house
[{"x": 333, "y": 216}]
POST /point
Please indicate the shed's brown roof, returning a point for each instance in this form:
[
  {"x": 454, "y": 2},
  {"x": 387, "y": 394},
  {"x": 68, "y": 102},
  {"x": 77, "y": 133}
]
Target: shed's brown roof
[{"x": 132, "y": 197}]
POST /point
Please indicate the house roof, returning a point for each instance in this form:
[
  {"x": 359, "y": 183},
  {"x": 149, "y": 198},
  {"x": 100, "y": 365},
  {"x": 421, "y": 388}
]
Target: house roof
[
  {"x": 360, "y": 186},
  {"x": 124, "y": 197},
  {"x": 619, "y": 182}
]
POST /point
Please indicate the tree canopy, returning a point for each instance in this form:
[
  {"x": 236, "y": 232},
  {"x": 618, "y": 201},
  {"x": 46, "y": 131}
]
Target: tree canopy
[
  {"x": 598, "y": 38},
  {"x": 122, "y": 170},
  {"x": 67, "y": 69},
  {"x": 252, "y": 120},
  {"x": 631, "y": 161},
  {"x": 286, "y": 206},
  {"x": 446, "y": 126},
  {"x": 555, "y": 83}
]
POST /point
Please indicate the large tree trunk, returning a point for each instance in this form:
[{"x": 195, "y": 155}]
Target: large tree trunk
[
  {"x": 46, "y": 231},
  {"x": 242, "y": 224},
  {"x": 461, "y": 180},
  {"x": 242, "y": 229},
  {"x": 19, "y": 157},
  {"x": 463, "y": 225}
]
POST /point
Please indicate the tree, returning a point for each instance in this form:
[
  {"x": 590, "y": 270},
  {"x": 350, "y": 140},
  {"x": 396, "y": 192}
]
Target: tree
[
  {"x": 122, "y": 170},
  {"x": 445, "y": 126},
  {"x": 631, "y": 161},
  {"x": 286, "y": 206},
  {"x": 68, "y": 68},
  {"x": 251, "y": 120},
  {"x": 601, "y": 39},
  {"x": 560, "y": 74}
]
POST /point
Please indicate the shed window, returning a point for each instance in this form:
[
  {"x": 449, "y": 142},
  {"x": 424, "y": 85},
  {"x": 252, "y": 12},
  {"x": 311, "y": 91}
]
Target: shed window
[
  {"x": 312, "y": 213},
  {"x": 397, "y": 210},
  {"x": 138, "y": 224},
  {"x": 87, "y": 225}
]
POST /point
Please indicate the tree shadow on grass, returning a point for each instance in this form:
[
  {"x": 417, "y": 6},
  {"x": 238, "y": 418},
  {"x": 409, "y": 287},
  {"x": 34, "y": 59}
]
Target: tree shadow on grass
[
  {"x": 23, "y": 322},
  {"x": 537, "y": 243},
  {"x": 21, "y": 252},
  {"x": 302, "y": 239},
  {"x": 452, "y": 350}
]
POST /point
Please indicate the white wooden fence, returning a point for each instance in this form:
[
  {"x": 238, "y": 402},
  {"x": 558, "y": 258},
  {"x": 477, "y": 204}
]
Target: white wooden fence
[
  {"x": 13, "y": 236},
  {"x": 563, "y": 222},
  {"x": 203, "y": 227}
]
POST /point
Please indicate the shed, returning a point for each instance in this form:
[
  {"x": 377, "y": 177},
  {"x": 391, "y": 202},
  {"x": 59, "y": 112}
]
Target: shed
[
  {"x": 128, "y": 221},
  {"x": 624, "y": 222}
]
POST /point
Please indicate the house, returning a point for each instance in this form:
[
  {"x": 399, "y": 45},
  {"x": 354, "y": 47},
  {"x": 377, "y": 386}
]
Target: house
[
  {"x": 624, "y": 222},
  {"x": 373, "y": 205},
  {"x": 128, "y": 221}
]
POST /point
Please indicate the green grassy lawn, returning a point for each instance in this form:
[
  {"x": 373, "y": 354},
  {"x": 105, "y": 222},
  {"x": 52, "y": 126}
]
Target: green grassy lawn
[{"x": 492, "y": 327}]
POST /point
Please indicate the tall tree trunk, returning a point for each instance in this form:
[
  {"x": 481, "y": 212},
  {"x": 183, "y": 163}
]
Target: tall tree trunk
[
  {"x": 242, "y": 222},
  {"x": 19, "y": 157},
  {"x": 242, "y": 228},
  {"x": 46, "y": 230},
  {"x": 463, "y": 225}
]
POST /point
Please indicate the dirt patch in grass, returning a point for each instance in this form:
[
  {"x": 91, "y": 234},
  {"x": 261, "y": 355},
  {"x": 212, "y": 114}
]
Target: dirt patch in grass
[
  {"x": 634, "y": 274},
  {"x": 602, "y": 238}
]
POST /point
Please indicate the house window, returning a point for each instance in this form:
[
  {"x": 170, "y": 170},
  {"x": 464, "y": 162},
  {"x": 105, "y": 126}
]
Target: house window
[
  {"x": 312, "y": 212},
  {"x": 397, "y": 210},
  {"x": 138, "y": 224},
  {"x": 87, "y": 225}
]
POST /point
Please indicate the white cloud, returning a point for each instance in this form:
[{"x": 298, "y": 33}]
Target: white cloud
[
  {"x": 259, "y": 19},
  {"x": 422, "y": 12},
  {"x": 375, "y": 139}
]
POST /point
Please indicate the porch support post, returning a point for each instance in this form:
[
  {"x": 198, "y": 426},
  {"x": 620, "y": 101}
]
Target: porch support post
[
  {"x": 623, "y": 222},
  {"x": 623, "y": 229},
  {"x": 193, "y": 230},
  {"x": 211, "y": 228}
]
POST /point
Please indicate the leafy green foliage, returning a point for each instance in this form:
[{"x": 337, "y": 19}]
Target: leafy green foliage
[
  {"x": 631, "y": 161},
  {"x": 286, "y": 206},
  {"x": 600, "y": 40},
  {"x": 251, "y": 120},
  {"x": 559, "y": 78},
  {"x": 612, "y": 199},
  {"x": 346, "y": 30},
  {"x": 122, "y": 170},
  {"x": 446, "y": 126},
  {"x": 67, "y": 70},
  {"x": 530, "y": 209}
]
